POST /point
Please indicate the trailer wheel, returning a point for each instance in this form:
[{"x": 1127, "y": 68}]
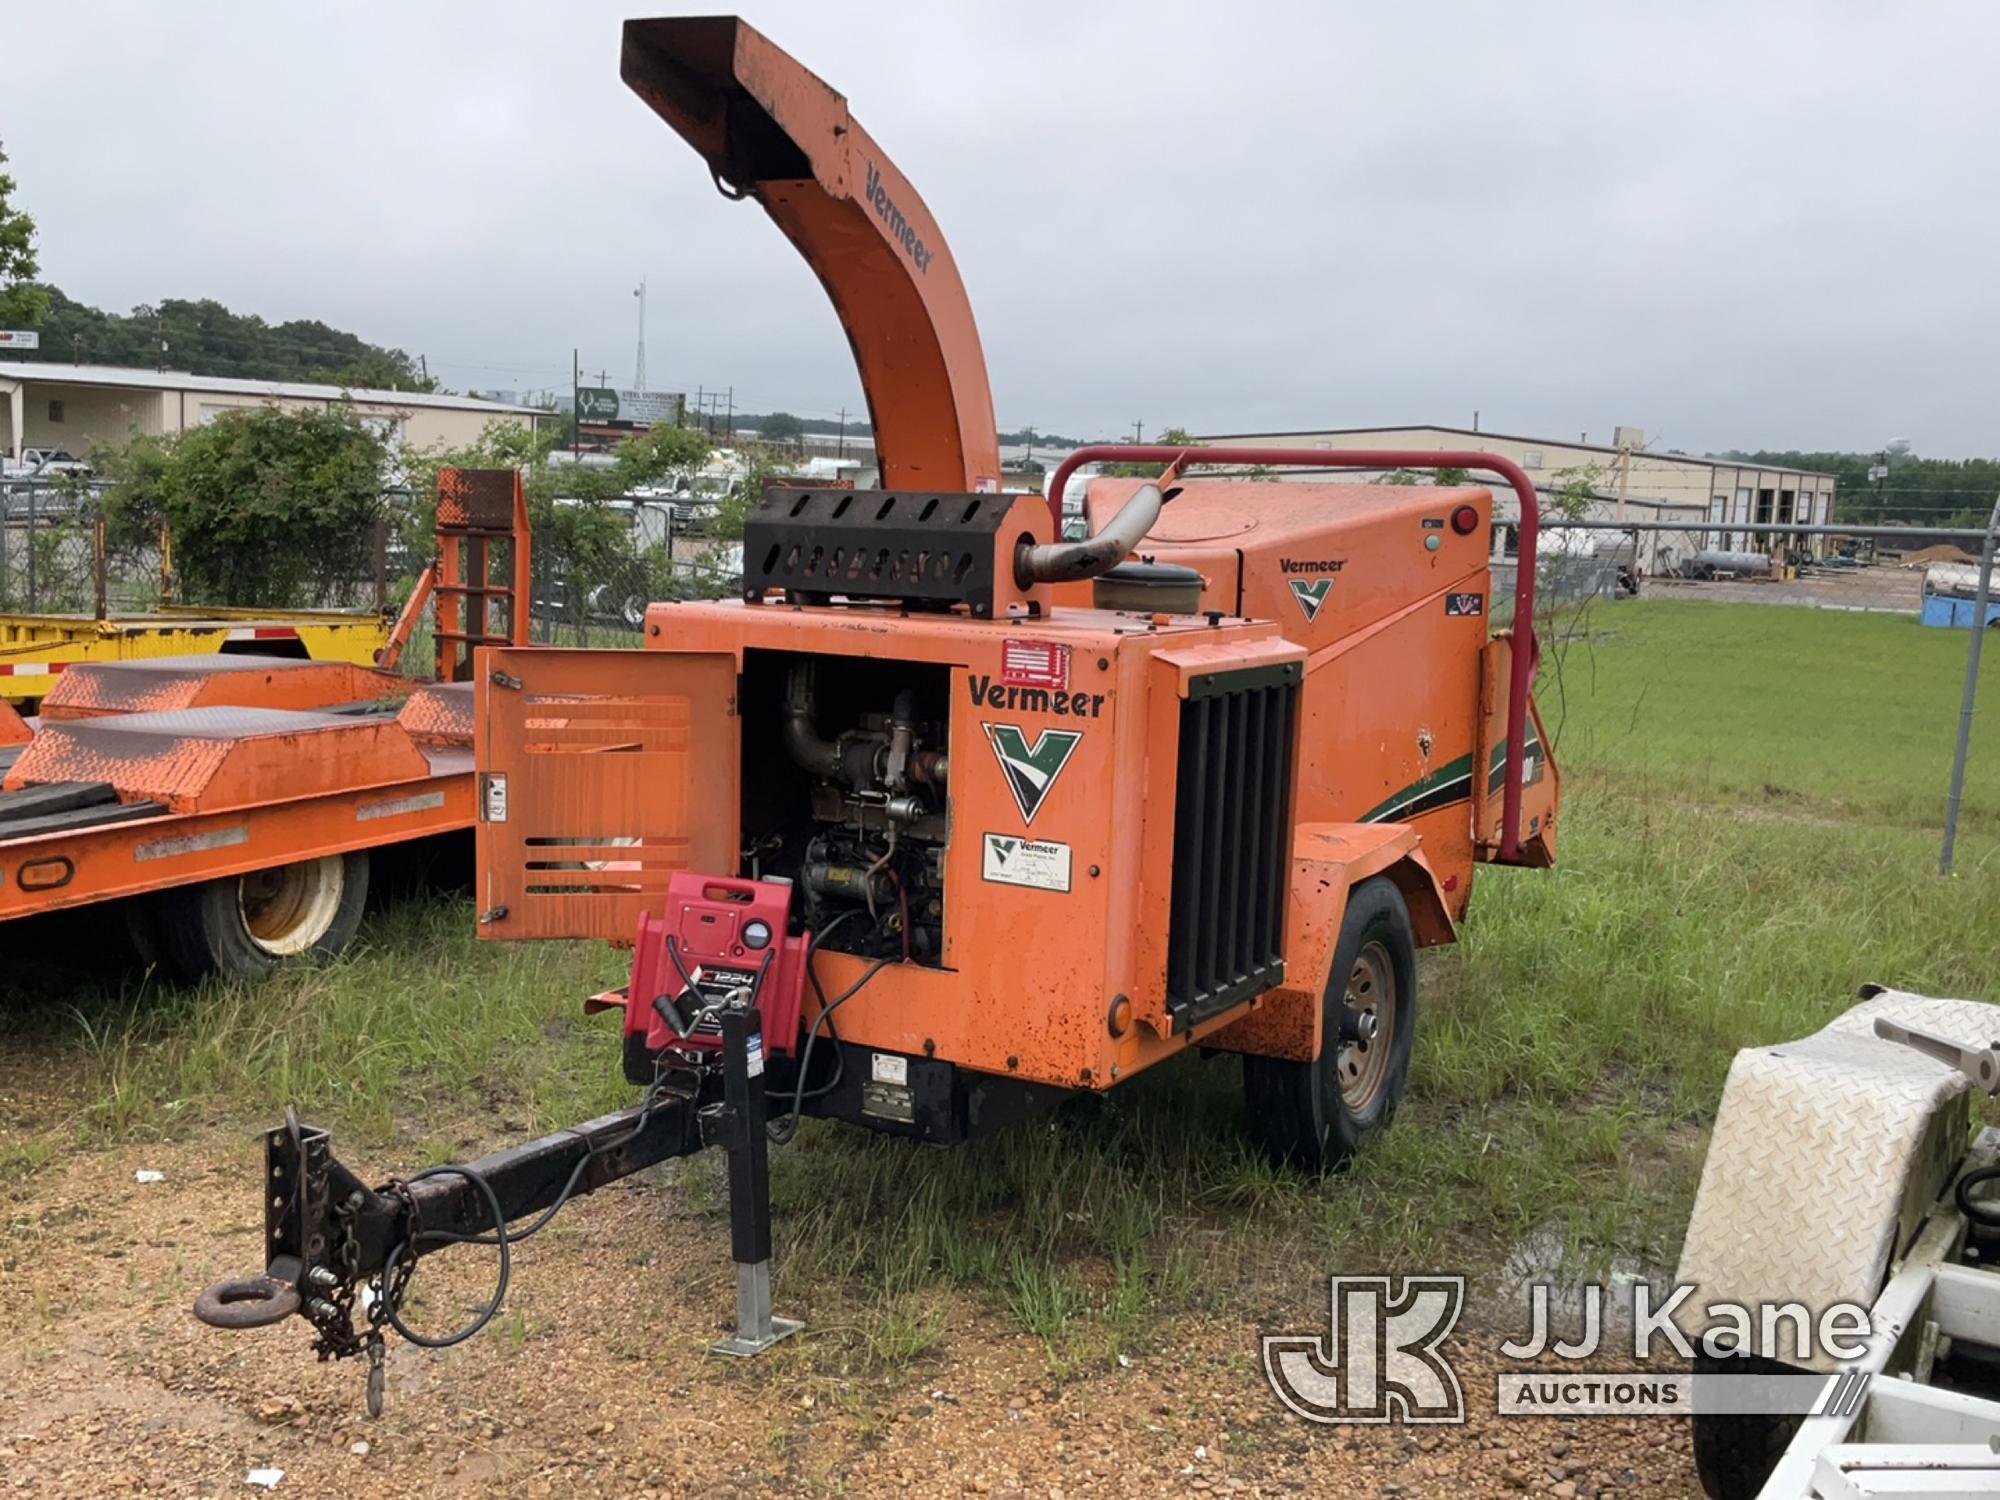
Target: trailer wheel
[
  {"x": 244, "y": 926},
  {"x": 1318, "y": 1114},
  {"x": 1734, "y": 1454}
]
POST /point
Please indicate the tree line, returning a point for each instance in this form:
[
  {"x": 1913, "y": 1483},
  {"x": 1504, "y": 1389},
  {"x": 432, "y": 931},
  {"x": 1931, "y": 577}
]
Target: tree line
[{"x": 206, "y": 338}]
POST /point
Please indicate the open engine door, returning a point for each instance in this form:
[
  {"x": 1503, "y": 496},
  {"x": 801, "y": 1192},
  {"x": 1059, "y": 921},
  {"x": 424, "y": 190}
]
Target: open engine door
[{"x": 601, "y": 773}]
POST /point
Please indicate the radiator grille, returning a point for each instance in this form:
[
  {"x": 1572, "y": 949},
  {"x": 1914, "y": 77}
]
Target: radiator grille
[{"x": 1232, "y": 821}]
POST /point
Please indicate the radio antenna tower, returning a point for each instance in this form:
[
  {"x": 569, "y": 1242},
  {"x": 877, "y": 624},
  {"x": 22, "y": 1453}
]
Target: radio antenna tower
[{"x": 639, "y": 375}]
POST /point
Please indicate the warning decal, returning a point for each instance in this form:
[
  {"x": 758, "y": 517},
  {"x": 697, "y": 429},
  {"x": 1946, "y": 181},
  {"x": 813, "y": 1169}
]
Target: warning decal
[
  {"x": 1465, "y": 604},
  {"x": 1041, "y": 664}
]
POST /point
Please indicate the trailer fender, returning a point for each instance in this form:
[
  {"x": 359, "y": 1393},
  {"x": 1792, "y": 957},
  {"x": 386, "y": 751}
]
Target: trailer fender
[
  {"x": 1328, "y": 861},
  {"x": 1827, "y": 1154}
]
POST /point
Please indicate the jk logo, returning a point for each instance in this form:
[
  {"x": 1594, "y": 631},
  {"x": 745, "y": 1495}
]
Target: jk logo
[
  {"x": 1378, "y": 1360},
  {"x": 1031, "y": 770},
  {"x": 1311, "y": 594}
]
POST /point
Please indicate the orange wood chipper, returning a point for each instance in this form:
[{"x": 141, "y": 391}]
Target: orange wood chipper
[{"x": 947, "y": 819}]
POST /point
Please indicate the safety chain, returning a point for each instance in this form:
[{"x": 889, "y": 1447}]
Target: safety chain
[
  {"x": 389, "y": 1288},
  {"x": 333, "y": 1314}
]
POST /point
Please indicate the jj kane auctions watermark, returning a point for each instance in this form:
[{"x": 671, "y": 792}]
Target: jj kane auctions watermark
[{"x": 1384, "y": 1357}]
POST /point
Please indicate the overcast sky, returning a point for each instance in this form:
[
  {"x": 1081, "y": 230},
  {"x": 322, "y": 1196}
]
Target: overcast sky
[{"x": 1730, "y": 225}]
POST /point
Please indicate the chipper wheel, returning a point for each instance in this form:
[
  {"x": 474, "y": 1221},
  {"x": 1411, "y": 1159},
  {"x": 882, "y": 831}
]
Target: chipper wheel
[
  {"x": 1318, "y": 1114},
  {"x": 244, "y": 926}
]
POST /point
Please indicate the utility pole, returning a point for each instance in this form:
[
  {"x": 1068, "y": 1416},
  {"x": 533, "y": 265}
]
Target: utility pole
[
  {"x": 843, "y": 432},
  {"x": 1981, "y": 596},
  {"x": 575, "y": 405},
  {"x": 1475, "y": 419},
  {"x": 1624, "y": 474},
  {"x": 639, "y": 373},
  {"x": 697, "y": 407},
  {"x": 731, "y": 429},
  {"x": 1138, "y": 432},
  {"x": 424, "y": 369}
]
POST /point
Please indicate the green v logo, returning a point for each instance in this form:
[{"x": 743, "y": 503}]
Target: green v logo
[
  {"x": 1031, "y": 769},
  {"x": 1311, "y": 594}
]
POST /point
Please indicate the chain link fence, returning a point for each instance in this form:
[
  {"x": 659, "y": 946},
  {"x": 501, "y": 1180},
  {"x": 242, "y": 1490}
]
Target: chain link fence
[
  {"x": 1940, "y": 577},
  {"x": 668, "y": 549},
  {"x": 59, "y": 557},
  {"x": 1930, "y": 572}
]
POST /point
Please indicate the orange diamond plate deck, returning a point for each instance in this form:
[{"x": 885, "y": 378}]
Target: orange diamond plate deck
[
  {"x": 202, "y": 759},
  {"x": 440, "y": 714},
  {"x": 91, "y": 689}
]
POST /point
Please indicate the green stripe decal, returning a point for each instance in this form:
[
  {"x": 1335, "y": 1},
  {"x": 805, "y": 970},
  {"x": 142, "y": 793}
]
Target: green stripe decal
[{"x": 1446, "y": 785}]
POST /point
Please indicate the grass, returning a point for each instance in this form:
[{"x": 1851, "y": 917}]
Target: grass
[
  {"x": 417, "y": 1022},
  {"x": 1752, "y": 804},
  {"x": 1854, "y": 713}
]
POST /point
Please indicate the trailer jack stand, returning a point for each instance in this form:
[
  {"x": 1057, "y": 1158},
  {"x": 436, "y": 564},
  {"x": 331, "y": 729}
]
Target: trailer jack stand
[
  {"x": 328, "y": 1235},
  {"x": 738, "y": 1125}
]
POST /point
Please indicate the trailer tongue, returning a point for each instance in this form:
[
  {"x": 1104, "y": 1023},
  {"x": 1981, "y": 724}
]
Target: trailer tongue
[{"x": 948, "y": 818}]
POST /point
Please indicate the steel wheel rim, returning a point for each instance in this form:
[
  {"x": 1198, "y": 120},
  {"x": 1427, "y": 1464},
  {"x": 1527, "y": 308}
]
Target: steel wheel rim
[
  {"x": 1370, "y": 992},
  {"x": 287, "y": 909}
]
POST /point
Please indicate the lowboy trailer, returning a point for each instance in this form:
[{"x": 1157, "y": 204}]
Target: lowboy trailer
[{"x": 233, "y": 799}]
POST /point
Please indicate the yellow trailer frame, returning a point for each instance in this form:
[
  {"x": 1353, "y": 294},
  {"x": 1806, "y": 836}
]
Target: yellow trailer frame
[{"x": 36, "y": 648}]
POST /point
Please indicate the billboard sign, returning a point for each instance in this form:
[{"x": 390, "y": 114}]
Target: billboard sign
[
  {"x": 606, "y": 407},
  {"x": 19, "y": 339}
]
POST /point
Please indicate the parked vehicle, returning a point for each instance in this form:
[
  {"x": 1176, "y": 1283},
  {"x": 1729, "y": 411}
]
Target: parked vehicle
[{"x": 43, "y": 463}]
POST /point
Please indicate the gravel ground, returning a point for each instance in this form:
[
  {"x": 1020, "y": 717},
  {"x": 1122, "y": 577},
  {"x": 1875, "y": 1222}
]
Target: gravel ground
[{"x": 596, "y": 1381}]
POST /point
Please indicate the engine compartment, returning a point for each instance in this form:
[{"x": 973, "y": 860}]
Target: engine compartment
[{"x": 846, "y": 795}]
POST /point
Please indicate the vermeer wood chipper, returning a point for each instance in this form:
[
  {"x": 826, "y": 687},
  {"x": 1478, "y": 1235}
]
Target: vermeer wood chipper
[{"x": 946, "y": 819}]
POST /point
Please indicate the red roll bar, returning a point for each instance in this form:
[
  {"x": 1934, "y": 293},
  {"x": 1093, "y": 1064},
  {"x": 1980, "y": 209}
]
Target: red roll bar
[{"x": 1524, "y": 662}]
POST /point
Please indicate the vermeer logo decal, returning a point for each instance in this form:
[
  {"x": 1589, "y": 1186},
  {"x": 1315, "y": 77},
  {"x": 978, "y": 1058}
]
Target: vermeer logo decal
[
  {"x": 901, "y": 230},
  {"x": 1311, "y": 594},
  {"x": 1031, "y": 770},
  {"x": 1037, "y": 864}
]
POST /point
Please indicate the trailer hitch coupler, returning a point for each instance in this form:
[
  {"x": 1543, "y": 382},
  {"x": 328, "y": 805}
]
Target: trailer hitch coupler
[{"x": 247, "y": 1302}]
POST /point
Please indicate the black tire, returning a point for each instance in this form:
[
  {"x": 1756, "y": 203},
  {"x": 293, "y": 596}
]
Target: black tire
[
  {"x": 142, "y": 929},
  {"x": 1318, "y": 1114},
  {"x": 244, "y": 926},
  {"x": 1734, "y": 1455}
]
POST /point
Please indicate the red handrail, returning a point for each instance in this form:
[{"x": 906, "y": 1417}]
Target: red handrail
[{"x": 1521, "y": 674}]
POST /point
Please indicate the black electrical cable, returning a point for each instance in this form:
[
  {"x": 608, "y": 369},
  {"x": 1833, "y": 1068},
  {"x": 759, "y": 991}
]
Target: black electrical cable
[
  {"x": 500, "y": 1282},
  {"x": 800, "y": 1092},
  {"x": 499, "y": 1238},
  {"x": 756, "y": 984},
  {"x": 791, "y": 1127}
]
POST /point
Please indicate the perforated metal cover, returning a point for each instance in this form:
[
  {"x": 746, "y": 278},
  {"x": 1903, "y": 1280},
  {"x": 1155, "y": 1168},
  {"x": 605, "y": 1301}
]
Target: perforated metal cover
[
  {"x": 477, "y": 499},
  {"x": 922, "y": 548}
]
